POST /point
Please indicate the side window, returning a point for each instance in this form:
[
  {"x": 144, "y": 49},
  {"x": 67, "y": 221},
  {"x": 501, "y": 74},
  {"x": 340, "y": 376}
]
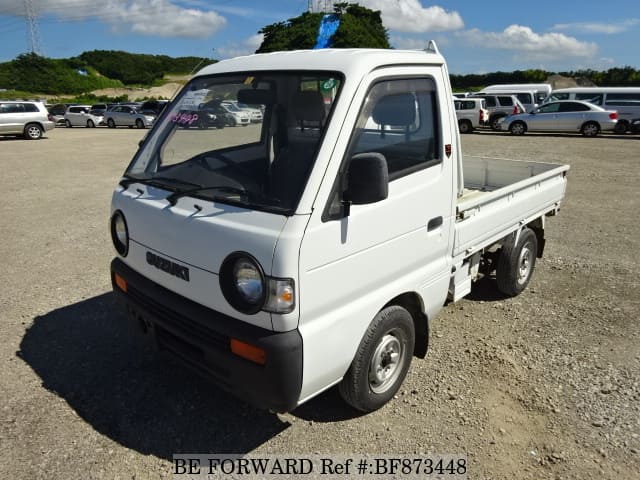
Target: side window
[
  {"x": 550, "y": 108},
  {"x": 573, "y": 107},
  {"x": 593, "y": 98},
  {"x": 30, "y": 107},
  {"x": 491, "y": 101},
  {"x": 623, "y": 99},
  {"x": 398, "y": 120},
  {"x": 505, "y": 101}
]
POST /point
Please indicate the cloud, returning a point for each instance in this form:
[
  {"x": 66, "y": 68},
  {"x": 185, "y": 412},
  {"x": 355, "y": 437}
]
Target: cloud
[
  {"x": 595, "y": 27},
  {"x": 163, "y": 18},
  {"x": 236, "y": 49},
  {"x": 411, "y": 16},
  {"x": 411, "y": 43},
  {"x": 529, "y": 44}
]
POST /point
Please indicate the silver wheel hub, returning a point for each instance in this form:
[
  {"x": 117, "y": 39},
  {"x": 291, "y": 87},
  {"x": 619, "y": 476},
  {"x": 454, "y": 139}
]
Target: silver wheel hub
[
  {"x": 524, "y": 264},
  {"x": 386, "y": 363}
]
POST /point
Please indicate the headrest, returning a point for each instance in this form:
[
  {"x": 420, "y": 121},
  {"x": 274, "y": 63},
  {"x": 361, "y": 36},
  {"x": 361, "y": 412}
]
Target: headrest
[
  {"x": 399, "y": 109},
  {"x": 308, "y": 106},
  {"x": 252, "y": 96}
]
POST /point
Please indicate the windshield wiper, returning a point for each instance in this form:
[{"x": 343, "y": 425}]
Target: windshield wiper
[
  {"x": 173, "y": 198},
  {"x": 156, "y": 181}
]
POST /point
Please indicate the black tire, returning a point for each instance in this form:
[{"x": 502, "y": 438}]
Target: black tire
[
  {"x": 590, "y": 129},
  {"x": 465, "y": 126},
  {"x": 517, "y": 128},
  {"x": 111, "y": 123},
  {"x": 139, "y": 123},
  {"x": 32, "y": 131},
  {"x": 90, "y": 124},
  {"x": 232, "y": 122},
  {"x": 381, "y": 362},
  {"x": 67, "y": 124},
  {"x": 516, "y": 263},
  {"x": 495, "y": 122},
  {"x": 621, "y": 127}
]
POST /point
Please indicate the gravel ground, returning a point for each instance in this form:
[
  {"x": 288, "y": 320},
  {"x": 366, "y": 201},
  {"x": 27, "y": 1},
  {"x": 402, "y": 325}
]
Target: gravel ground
[{"x": 544, "y": 385}]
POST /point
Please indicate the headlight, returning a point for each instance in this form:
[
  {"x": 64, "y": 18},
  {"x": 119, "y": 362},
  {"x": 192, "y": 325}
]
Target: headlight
[
  {"x": 120, "y": 233},
  {"x": 248, "y": 281},
  {"x": 248, "y": 290},
  {"x": 243, "y": 283}
]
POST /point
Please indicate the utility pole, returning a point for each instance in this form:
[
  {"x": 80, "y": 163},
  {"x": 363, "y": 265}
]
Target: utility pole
[{"x": 32, "y": 26}]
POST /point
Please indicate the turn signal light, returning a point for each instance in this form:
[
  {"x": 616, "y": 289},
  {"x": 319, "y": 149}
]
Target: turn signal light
[
  {"x": 248, "y": 351},
  {"x": 120, "y": 282}
]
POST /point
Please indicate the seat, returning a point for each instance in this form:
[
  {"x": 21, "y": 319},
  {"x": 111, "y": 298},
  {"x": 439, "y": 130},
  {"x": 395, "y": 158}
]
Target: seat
[{"x": 294, "y": 158}]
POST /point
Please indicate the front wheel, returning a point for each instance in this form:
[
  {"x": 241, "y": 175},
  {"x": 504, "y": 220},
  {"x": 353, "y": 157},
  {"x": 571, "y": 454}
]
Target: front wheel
[
  {"x": 590, "y": 129},
  {"x": 67, "y": 124},
  {"x": 90, "y": 124},
  {"x": 517, "y": 128},
  {"x": 139, "y": 123},
  {"x": 621, "y": 127},
  {"x": 516, "y": 263},
  {"x": 381, "y": 362},
  {"x": 111, "y": 123}
]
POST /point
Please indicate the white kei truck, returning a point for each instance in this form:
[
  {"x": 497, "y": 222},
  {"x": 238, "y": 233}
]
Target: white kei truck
[{"x": 312, "y": 249}]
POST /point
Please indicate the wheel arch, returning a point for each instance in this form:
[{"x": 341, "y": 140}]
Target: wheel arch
[{"x": 412, "y": 302}]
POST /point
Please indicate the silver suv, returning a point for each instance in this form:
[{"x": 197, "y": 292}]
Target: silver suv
[
  {"x": 500, "y": 106},
  {"x": 29, "y": 119}
]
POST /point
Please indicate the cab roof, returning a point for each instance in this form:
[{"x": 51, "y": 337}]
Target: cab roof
[{"x": 347, "y": 61}]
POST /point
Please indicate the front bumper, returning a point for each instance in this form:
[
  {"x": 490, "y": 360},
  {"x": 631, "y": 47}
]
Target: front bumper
[{"x": 200, "y": 337}]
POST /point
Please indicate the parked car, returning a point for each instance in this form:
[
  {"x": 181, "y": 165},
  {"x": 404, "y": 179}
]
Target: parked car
[
  {"x": 236, "y": 116},
  {"x": 153, "y": 107},
  {"x": 471, "y": 113},
  {"x": 57, "y": 111},
  {"x": 29, "y": 119},
  {"x": 499, "y": 106},
  {"x": 255, "y": 114},
  {"x": 127, "y": 116},
  {"x": 563, "y": 116},
  {"x": 80, "y": 116},
  {"x": 99, "y": 109}
]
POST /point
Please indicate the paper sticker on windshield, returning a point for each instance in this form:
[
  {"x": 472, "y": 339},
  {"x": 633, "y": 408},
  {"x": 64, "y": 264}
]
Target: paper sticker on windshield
[
  {"x": 193, "y": 98},
  {"x": 328, "y": 84}
]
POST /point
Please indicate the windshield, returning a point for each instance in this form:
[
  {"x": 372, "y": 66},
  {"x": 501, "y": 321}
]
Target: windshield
[{"x": 198, "y": 149}]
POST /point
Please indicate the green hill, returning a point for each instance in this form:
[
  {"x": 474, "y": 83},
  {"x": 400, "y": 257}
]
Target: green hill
[{"x": 90, "y": 71}]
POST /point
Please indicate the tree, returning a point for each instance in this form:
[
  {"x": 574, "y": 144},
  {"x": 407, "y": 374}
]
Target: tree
[{"x": 359, "y": 28}]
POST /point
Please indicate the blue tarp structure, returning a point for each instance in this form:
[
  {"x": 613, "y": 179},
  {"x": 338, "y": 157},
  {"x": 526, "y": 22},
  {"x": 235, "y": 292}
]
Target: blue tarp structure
[{"x": 328, "y": 26}]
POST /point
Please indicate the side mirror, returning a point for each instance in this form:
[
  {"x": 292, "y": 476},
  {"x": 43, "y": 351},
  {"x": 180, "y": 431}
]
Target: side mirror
[{"x": 367, "y": 179}]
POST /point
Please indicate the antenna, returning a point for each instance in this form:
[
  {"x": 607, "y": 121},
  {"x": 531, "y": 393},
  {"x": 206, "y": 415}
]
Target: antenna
[{"x": 32, "y": 25}]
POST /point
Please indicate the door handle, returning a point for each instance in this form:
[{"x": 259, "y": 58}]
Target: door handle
[{"x": 434, "y": 223}]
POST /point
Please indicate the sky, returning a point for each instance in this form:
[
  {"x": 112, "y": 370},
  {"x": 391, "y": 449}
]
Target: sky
[{"x": 474, "y": 36}]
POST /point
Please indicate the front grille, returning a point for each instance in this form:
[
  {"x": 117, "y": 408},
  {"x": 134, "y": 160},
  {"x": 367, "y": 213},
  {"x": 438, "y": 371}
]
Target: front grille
[{"x": 178, "y": 324}]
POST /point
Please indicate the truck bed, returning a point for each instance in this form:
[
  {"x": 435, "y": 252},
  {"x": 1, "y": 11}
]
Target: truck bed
[{"x": 500, "y": 195}]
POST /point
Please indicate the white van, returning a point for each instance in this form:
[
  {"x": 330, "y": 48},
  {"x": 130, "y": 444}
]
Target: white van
[
  {"x": 540, "y": 90},
  {"x": 314, "y": 248},
  {"x": 625, "y": 100}
]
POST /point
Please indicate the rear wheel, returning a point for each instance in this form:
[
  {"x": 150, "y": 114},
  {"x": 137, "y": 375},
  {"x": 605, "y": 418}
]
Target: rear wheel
[
  {"x": 517, "y": 128},
  {"x": 465, "y": 126},
  {"x": 590, "y": 129},
  {"x": 381, "y": 362},
  {"x": 516, "y": 263},
  {"x": 32, "y": 131}
]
